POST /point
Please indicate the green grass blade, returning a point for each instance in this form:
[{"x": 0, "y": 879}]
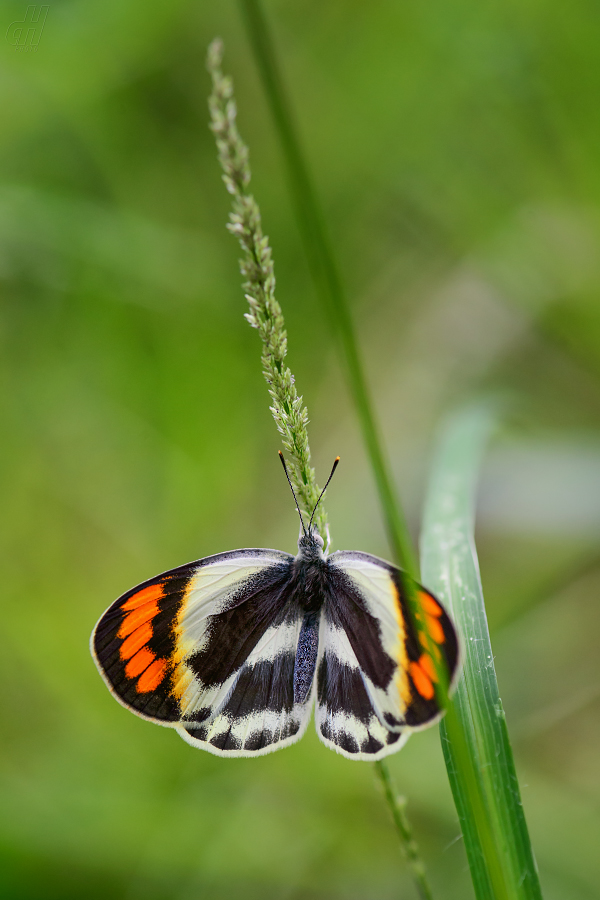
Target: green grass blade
[{"x": 474, "y": 735}]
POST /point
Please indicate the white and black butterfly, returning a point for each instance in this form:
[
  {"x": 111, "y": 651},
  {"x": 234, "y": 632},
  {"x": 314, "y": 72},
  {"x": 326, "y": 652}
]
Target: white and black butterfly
[{"x": 235, "y": 649}]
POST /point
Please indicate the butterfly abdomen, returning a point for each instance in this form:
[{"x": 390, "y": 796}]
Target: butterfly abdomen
[
  {"x": 310, "y": 580},
  {"x": 306, "y": 656}
]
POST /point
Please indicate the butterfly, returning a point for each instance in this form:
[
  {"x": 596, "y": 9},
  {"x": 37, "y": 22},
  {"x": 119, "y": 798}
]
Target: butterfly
[{"x": 235, "y": 650}]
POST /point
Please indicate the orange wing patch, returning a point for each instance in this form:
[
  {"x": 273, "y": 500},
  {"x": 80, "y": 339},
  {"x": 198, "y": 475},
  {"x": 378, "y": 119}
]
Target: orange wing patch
[
  {"x": 432, "y": 612},
  {"x": 136, "y": 641},
  {"x": 140, "y": 662},
  {"x": 431, "y": 606},
  {"x": 146, "y": 595},
  {"x": 423, "y": 672},
  {"x": 423, "y": 676},
  {"x": 152, "y": 677},
  {"x": 426, "y": 664},
  {"x": 137, "y": 617},
  {"x": 137, "y": 630}
]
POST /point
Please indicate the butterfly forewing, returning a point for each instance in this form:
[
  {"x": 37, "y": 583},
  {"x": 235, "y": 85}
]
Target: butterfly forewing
[
  {"x": 174, "y": 648},
  {"x": 392, "y": 654}
]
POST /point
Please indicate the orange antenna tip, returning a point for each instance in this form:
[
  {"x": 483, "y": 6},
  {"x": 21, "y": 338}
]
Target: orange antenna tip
[{"x": 335, "y": 463}]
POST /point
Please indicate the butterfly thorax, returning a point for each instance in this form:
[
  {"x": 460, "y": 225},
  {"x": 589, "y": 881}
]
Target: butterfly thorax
[{"x": 310, "y": 572}]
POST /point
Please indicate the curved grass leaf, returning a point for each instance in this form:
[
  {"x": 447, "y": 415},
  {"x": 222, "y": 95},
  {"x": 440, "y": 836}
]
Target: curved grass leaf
[{"x": 474, "y": 735}]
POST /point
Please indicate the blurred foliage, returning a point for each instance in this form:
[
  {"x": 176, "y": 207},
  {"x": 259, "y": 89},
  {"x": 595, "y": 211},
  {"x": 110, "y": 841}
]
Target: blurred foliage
[{"x": 457, "y": 150}]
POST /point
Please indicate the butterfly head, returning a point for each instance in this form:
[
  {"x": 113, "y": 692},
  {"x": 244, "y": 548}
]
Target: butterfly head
[{"x": 310, "y": 544}]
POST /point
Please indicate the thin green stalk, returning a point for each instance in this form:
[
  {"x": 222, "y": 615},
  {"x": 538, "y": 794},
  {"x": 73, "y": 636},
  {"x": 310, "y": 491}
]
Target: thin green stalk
[
  {"x": 265, "y": 315},
  {"x": 474, "y": 734},
  {"x": 256, "y": 265},
  {"x": 411, "y": 848},
  {"x": 327, "y": 280}
]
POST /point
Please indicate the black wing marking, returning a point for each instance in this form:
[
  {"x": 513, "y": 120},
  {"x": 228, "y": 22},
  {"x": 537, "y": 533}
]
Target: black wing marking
[
  {"x": 347, "y": 719},
  {"x": 259, "y": 712}
]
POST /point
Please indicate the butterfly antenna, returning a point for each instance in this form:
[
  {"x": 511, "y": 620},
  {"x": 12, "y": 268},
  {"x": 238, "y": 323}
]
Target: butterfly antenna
[
  {"x": 293, "y": 491},
  {"x": 335, "y": 465}
]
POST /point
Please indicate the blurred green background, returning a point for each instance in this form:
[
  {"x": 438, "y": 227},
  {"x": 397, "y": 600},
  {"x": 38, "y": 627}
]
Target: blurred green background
[{"x": 457, "y": 150}]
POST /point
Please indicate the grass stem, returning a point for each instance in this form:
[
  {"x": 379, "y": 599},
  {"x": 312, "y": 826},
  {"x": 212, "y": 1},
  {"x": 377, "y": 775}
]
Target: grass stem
[
  {"x": 256, "y": 264},
  {"x": 397, "y": 807}
]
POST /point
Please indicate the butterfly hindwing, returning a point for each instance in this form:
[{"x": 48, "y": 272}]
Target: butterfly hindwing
[
  {"x": 258, "y": 712},
  {"x": 346, "y": 717}
]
